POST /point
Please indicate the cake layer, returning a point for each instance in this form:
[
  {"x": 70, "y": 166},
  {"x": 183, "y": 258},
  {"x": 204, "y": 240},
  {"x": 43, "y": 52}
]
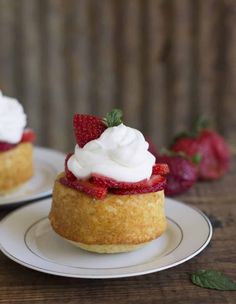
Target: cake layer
[
  {"x": 16, "y": 167},
  {"x": 115, "y": 220}
]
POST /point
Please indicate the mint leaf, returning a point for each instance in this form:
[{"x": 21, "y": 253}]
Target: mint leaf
[
  {"x": 212, "y": 279},
  {"x": 113, "y": 118}
]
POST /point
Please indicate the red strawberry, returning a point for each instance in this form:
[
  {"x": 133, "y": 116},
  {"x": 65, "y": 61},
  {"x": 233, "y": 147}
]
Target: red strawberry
[
  {"x": 70, "y": 176},
  {"x": 104, "y": 181},
  {"x": 86, "y": 187},
  {"x": 182, "y": 176},
  {"x": 154, "y": 184},
  {"x": 161, "y": 169},
  {"x": 214, "y": 152},
  {"x": 28, "y": 136},
  {"x": 4, "y": 146},
  {"x": 87, "y": 128}
]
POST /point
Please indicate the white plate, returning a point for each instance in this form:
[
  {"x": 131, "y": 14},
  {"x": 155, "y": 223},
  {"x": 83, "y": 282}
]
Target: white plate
[
  {"x": 27, "y": 238},
  {"x": 47, "y": 164}
]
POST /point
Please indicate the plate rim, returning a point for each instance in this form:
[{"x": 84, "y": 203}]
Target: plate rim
[
  {"x": 110, "y": 276},
  {"x": 39, "y": 196}
]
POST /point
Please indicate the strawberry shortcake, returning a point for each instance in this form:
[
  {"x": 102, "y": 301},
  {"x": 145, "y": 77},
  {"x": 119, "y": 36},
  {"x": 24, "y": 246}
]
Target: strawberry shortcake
[
  {"x": 110, "y": 197},
  {"x": 16, "y": 165}
]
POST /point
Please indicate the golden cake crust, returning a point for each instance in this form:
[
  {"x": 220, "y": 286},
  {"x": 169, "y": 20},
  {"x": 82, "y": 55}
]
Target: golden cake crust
[
  {"x": 117, "y": 219},
  {"x": 16, "y": 167},
  {"x": 109, "y": 248}
]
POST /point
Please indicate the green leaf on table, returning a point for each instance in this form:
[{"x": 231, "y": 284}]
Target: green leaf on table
[{"x": 212, "y": 279}]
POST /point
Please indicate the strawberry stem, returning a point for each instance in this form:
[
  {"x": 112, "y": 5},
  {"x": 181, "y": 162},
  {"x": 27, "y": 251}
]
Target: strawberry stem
[
  {"x": 200, "y": 124},
  {"x": 195, "y": 159},
  {"x": 113, "y": 118}
]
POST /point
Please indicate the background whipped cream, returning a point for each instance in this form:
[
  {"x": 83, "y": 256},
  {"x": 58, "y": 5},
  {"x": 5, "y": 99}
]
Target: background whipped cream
[
  {"x": 120, "y": 153},
  {"x": 12, "y": 119}
]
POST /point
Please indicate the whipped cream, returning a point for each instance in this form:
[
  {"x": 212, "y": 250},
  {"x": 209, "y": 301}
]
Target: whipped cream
[
  {"x": 120, "y": 153},
  {"x": 12, "y": 119}
]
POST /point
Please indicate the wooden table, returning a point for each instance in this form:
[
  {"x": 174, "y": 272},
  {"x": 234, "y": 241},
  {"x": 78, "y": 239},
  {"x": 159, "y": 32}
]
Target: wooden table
[{"x": 217, "y": 199}]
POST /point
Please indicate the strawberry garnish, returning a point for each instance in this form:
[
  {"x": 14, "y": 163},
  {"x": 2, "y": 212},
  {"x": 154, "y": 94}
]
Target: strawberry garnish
[
  {"x": 104, "y": 181},
  {"x": 161, "y": 169},
  {"x": 140, "y": 186},
  {"x": 4, "y": 146},
  {"x": 154, "y": 184},
  {"x": 28, "y": 136},
  {"x": 69, "y": 174},
  {"x": 86, "y": 187},
  {"x": 87, "y": 128}
]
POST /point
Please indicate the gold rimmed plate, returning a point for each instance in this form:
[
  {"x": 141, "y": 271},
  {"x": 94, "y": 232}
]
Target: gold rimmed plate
[
  {"x": 27, "y": 238},
  {"x": 47, "y": 164}
]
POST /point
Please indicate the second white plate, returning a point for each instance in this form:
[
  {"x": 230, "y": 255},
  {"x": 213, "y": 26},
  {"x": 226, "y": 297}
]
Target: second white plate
[
  {"x": 47, "y": 164},
  {"x": 27, "y": 238}
]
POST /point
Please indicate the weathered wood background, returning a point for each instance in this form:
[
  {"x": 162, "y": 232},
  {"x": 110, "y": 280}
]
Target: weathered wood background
[{"x": 162, "y": 61}]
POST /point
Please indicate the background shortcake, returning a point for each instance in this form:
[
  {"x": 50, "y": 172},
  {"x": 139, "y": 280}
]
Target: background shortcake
[{"x": 16, "y": 164}]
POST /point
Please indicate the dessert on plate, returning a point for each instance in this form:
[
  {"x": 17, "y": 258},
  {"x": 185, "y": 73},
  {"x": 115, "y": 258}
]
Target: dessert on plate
[
  {"x": 110, "y": 197},
  {"x": 16, "y": 164}
]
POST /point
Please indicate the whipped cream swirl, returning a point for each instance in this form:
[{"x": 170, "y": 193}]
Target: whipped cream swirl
[
  {"x": 120, "y": 153},
  {"x": 12, "y": 119}
]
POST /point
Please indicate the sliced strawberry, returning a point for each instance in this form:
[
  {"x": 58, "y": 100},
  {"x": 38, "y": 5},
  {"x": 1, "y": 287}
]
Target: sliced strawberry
[
  {"x": 161, "y": 169},
  {"x": 104, "y": 181},
  {"x": 86, "y": 187},
  {"x": 69, "y": 174},
  {"x": 154, "y": 184},
  {"x": 108, "y": 182},
  {"x": 4, "y": 146},
  {"x": 28, "y": 136},
  {"x": 87, "y": 128}
]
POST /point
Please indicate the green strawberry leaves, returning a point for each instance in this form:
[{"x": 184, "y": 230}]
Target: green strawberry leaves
[
  {"x": 200, "y": 124},
  {"x": 195, "y": 159},
  {"x": 113, "y": 118},
  {"x": 212, "y": 279}
]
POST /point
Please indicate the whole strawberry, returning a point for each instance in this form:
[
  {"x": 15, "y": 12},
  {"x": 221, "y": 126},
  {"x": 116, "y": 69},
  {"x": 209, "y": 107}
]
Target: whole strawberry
[
  {"x": 183, "y": 174},
  {"x": 209, "y": 146},
  {"x": 89, "y": 127}
]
